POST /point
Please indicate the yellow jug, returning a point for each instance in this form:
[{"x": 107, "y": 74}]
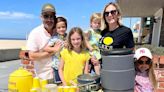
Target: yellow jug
[{"x": 20, "y": 81}]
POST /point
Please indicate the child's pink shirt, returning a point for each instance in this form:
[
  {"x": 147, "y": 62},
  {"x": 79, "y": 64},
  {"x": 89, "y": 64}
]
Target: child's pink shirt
[{"x": 142, "y": 82}]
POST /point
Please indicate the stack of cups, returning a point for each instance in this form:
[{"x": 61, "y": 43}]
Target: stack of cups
[
  {"x": 73, "y": 89},
  {"x": 60, "y": 89},
  {"x": 43, "y": 85},
  {"x": 36, "y": 84}
]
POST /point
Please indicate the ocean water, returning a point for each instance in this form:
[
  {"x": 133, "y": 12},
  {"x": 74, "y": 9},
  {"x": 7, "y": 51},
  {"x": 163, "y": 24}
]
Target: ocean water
[{"x": 12, "y": 38}]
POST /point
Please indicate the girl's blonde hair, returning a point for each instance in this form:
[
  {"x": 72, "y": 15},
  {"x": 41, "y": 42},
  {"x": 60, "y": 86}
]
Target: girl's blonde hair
[
  {"x": 95, "y": 16},
  {"x": 80, "y": 32},
  {"x": 151, "y": 74},
  {"x": 104, "y": 24}
]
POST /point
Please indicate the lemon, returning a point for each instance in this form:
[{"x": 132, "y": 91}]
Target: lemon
[{"x": 107, "y": 40}]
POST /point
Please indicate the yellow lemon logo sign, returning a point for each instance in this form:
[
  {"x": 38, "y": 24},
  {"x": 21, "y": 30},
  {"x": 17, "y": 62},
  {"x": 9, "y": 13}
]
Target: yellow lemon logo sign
[{"x": 107, "y": 40}]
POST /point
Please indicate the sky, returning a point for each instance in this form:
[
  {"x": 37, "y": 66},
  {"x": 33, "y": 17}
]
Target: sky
[{"x": 19, "y": 17}]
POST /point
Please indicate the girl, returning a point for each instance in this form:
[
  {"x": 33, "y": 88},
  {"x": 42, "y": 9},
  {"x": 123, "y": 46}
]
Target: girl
[
  {"x": 74, "y": 59},
  {"x": 61, "y": 27},
  {"x": 145, "y": 80},
  {"x": 92, "y": 38}
]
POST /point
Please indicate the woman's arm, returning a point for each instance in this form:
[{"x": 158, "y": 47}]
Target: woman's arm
[
  {"x": 88, "y": 45},
  {"x": 60, "y": 70}
]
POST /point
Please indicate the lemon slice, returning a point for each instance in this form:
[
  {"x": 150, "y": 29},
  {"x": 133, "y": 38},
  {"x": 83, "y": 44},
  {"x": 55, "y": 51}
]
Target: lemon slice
[{"x": 107, "y": 40}]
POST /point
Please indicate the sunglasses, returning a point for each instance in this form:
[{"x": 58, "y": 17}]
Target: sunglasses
[
  {"x": 47, "y": 16},
  {"x": 113, "y": 12},
  {"x": 148, "y": 62}
]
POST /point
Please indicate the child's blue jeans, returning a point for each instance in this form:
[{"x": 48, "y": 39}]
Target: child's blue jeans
[{"x": 56, "y": 76}]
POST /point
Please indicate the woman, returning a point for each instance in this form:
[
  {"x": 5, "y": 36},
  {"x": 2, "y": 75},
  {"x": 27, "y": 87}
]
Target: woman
[{"x": 114, "y": 35}]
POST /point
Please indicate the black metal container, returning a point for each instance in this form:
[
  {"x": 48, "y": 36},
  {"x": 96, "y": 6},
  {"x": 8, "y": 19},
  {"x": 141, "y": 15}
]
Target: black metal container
[
  {"x": 88, "y": 78},
  {"x": 88, "y": 82}
]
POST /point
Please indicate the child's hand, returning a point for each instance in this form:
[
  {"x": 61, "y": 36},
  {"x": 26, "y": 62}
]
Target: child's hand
[
  {"x": 94, "y": 61},
  {"x": 90, "y": 48},
  {"x": 65, "y": 44},
  {"x": 57, "y": 46},
  {"x": 73, "y": 83},
  {"x": 64, "y": 84}
]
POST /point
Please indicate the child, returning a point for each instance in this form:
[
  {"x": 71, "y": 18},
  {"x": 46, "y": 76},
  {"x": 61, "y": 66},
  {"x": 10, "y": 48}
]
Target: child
[
  {"x": 92, "y": 39},
  {"x": 61, "y": 27},
  {"x": 145, "y": 80},
  {"x": 74, "y": 58}
]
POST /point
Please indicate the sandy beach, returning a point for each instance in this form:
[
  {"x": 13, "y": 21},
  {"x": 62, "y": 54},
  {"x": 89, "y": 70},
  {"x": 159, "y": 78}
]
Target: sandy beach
[{"x": 12, "y": 44}]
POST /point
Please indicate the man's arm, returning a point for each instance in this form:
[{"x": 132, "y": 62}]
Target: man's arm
[
  {"x": 43, "y": 54},
  {"x": 48, "y": 49},
  {"x": 38, "y": 55}
]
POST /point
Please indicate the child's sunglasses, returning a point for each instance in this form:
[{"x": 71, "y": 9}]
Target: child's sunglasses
[
  {"x": 113, "y": 12},
  {"x": 144, "y": 62}
]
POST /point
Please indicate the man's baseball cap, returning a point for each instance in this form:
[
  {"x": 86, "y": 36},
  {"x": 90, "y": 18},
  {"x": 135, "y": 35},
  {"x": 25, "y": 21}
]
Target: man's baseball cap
[
  {"x": 48, "y": 8},
  {"x": 142, "y": 52}
]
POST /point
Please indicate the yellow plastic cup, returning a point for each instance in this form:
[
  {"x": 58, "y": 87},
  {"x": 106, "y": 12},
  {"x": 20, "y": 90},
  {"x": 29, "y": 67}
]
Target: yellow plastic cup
[
  {"x": 73, "y": 89},
  {"x": 33, "y": 90},
  {"x": 66, "y": 89},
  {"x": 60, "y": 89},
  {"x": 36, "y": 82},
  {"x": 43, "y": 83}
]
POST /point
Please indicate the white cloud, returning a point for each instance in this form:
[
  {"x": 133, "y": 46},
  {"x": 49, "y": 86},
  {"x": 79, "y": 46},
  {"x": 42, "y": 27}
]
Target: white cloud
[
  {"x": 15, "y": 15},
  {"x": 83, "y": 17}
]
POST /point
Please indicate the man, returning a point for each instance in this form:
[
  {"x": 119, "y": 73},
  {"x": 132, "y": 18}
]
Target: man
[{"x": 38, "y": 39}]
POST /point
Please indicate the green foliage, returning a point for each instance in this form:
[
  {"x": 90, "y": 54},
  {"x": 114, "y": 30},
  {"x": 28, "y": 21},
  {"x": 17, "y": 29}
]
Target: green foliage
[{"x": 155, "y": 50}]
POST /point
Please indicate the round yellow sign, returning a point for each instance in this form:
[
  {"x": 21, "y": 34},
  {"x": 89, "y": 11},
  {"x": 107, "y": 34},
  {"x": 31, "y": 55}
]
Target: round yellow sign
[{"x": 107, "y": 40}]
